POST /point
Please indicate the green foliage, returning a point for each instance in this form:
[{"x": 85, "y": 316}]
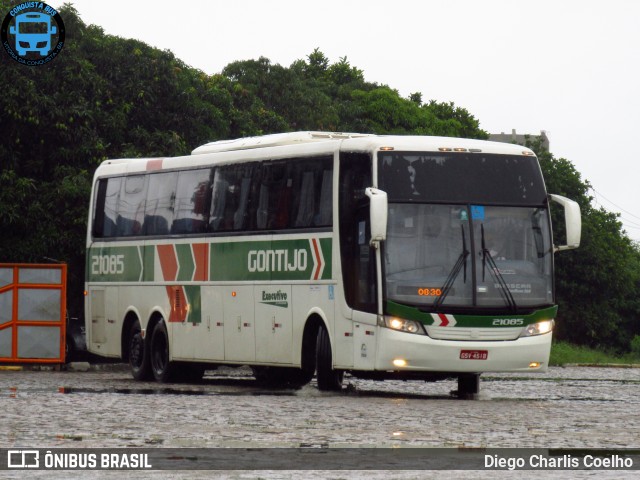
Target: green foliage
[
  {"x": 109, "y": 97},
  {"x": 563, "y": 353},
  {"x": 597, "y": 284},
  {"x": 635, "y": 346}
]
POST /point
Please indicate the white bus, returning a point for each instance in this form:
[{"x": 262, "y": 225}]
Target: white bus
[{"x": 388, "y": 257}]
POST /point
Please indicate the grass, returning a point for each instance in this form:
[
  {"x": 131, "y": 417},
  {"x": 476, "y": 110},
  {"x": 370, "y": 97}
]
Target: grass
[{"x": 563, "y": 353}]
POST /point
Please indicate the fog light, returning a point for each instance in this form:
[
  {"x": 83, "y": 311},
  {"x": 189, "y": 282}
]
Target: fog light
[{"x": 399, "y": 362}]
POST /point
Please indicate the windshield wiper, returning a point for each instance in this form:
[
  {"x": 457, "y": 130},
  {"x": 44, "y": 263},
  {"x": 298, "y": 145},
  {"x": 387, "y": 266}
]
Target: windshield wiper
[
  {"x": 504, "y": 288},
  {"x": 453, "y": 274}
]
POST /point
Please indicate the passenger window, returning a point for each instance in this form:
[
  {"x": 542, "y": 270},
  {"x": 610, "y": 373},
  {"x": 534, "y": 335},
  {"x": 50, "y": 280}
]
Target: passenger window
[
  {"x": 159, "y": 208},
  {"x": 131, "y": 206},
  {"x": 230, "y": 198},
  {"x": 192, "y": 198},
  {"x": 106, "y": 207}
]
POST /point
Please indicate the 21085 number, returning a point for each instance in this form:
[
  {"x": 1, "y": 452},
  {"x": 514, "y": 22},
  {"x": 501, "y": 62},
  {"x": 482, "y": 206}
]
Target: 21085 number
[{"x": 107, "y": 264}]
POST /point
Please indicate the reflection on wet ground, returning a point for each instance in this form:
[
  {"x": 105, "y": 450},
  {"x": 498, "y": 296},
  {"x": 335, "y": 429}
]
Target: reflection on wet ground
[{"x": 563, "y": 408}]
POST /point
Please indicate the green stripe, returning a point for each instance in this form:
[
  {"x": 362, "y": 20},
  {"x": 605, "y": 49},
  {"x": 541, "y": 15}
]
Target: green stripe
[
  {"x": 268, "y": 260},
  {"x": 480, "y": 321},
  {"x": 185, "y": 262},
  {"x": 114, "y": 264},
  {"x": 193, "y": 295}
]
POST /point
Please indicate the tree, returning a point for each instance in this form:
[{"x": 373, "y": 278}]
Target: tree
[{"x": 596, "y": 284}]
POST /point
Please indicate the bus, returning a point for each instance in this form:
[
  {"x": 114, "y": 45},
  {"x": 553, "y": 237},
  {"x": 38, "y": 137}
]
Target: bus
[{"x": 315, "y": 253}]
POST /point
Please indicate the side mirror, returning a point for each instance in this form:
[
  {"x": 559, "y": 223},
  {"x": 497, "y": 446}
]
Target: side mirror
[
  {"x": 572, "y": 221},
  {"x": 378, "y": 209}
]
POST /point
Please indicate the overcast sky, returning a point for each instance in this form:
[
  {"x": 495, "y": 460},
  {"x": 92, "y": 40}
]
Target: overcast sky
[{"x": 569, "y": 67}]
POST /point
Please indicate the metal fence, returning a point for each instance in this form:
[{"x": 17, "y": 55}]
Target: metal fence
[{"x": 32, "y": 313}]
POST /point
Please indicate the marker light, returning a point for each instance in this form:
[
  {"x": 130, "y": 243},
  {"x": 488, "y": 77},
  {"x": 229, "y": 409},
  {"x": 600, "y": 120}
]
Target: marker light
[
  {"x": 386, "y": 149},
  {"x": 534, "y": 364}
]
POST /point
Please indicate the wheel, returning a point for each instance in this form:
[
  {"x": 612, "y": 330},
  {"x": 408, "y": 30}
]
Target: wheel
[
  {"x": 468, "y": 385},
  {"x": 138, "y": 354},
  {"x": 328, "y": 378},
  {"x": 160, "y": 366}
]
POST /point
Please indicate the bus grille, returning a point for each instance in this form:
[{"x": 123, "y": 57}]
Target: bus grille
[{"x": 473, "y": 334}]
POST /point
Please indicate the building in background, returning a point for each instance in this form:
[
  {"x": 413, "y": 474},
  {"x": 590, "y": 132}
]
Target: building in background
[{"x": 519, "y": 138}]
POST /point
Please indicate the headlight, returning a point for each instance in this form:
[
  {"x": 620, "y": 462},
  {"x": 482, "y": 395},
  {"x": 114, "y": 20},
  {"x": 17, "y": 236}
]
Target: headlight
[
  {"x": 539, "y": 328},
  {"x": 409, "y": 326}
]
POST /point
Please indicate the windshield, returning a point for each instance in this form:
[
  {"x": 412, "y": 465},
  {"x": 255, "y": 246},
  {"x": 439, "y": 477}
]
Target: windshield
[
  {"x": 464, "y": 178},
  {"x": 468, "y": 256}
]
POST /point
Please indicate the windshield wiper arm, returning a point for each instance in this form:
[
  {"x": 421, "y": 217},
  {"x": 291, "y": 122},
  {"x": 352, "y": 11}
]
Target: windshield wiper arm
[
  {"x": 460, "y": 263},
  {"x": 504, "y": 288}
]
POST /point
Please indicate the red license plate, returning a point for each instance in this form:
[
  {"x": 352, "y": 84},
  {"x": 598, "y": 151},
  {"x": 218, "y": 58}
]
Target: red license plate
[{"x": 474, "y": 354}]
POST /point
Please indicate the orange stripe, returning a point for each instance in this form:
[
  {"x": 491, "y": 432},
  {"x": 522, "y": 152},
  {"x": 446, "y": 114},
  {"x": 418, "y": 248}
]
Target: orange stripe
[
  {"x": 318, "y": 258},
  {"x": 168, "y": 262},
  {"x": 155, "y": 164},
  {"x": 201, "y": 256}
]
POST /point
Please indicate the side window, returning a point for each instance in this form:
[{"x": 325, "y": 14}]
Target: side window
[
  {"x": 131, "y": 205},
  {"x": 358, "y": 259},
  {"x": 158, "y": 214},
  {"x": 274, "y": 187},
  {"x": 274, "y": 195},
  {"x": 192, "y": 198},
  {"x": 313, "y": 191},
  {"x": 105, "y": 207},
  {"x": 230, "y": 198}
]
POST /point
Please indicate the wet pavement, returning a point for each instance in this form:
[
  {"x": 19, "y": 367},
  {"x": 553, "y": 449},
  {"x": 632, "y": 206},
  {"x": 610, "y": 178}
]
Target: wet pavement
[{"x": 563, "y": 408}]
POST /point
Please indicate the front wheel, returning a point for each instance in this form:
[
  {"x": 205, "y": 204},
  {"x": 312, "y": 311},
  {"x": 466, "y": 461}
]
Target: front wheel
[
  {"x": 468, "y": 386},
  {"x": 138, "y": 354},
  {"x": 328, "y": 378},
  {"x": 160, "y": 366}
]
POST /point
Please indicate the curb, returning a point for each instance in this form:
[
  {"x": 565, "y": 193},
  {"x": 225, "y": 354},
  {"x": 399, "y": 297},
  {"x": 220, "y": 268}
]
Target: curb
[
  {"x": 68, "y": 367},
  {"x": 603, "y": 365}
]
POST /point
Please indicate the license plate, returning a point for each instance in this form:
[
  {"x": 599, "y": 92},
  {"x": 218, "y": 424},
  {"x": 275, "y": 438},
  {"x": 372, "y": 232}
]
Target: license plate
[{"x": 474, "y": 354}]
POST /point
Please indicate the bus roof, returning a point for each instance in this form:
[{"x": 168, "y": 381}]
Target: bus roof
[
  {"x": 285, "y": 145},
  {"x": 273, "y": 140},
  {"x": 363, "y": 141}
]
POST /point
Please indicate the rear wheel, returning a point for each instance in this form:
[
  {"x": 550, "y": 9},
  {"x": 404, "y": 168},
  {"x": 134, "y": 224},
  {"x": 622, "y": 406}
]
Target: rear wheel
[
  {"x": 138, "y": 354},
  {"x": 328, "y": 378},
  {"x": 160, "y": 366}
]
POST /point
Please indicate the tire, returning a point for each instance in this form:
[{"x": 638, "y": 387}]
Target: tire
[
  {"x": 328, "y": 378},
  {"x": 159, "y": 355},
  {"x": 138, "y": 354},
  {"x": 468, "y": 386}
]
